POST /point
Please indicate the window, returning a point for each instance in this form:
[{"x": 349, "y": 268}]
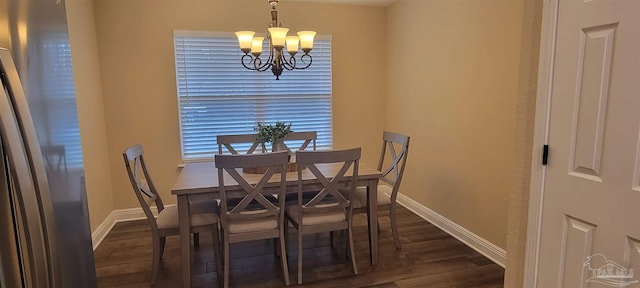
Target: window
[
  {"x": 217, "y": 96},
  {"x": 55, "y": 93}
]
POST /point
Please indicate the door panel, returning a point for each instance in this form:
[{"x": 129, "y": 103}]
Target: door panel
[
  {"x": 590, "y": 109},
  {"x": 591, "y": 200},
  {"x": 576, "y": 246}
]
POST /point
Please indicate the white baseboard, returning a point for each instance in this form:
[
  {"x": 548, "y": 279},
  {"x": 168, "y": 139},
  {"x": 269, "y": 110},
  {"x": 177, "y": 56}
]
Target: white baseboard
[
  {"x": 114, "y": 217},
  {"x": 103, "y": 229},
  {"x": 482, "y": 246}
]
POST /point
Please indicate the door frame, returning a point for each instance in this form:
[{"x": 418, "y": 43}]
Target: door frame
[{"x": 540, "y": 138}]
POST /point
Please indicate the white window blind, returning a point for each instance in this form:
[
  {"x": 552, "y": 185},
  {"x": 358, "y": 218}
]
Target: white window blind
[
  {"x": 217, "y": 96},
  {"x": 59, "y": 126}
]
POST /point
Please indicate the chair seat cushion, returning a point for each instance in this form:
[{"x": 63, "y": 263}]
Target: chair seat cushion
[
  {"x": 168, "y": 218},
  {"x": 359, "y": 199},
  {"x": 252, "y": 225},
  {"x": 315, "y": 218}
]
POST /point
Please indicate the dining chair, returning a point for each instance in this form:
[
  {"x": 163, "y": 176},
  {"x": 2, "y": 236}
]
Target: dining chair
[
  {"x": 301, "y": 140},
  {"x": 254, "y": 217},
  {"x": 296, "y": 141},
  {"x": 55, "y": 158},
  {"x": 393, "y": 163},
  {"x": 330, "y": 208},
  {"x": 204, "y": 215},
  {"x": 230, "y": 142}
]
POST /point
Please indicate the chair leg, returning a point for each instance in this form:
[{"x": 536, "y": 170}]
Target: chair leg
[
  {"x": 157, "y": 254},
  {"x": 332, "y": 239},
  {"x": 300, "y": 255},
  {"x": 346, "y": 247},
  {"x": 283, "y": 258},
  {"x": 216, "y": 249},
  {"x": 226, "y": 261},
  {"x": 394, "y": 225},
  {"x": 196, "y": 239},
  {"x": 162, "y": 241},
  {"x": 352, "y": 251},
  {"x": 286, "y": 236}
]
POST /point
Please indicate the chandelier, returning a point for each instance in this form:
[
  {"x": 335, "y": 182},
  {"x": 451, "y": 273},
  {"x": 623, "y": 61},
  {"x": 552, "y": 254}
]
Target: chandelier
[{"x": 278, "y": 39}]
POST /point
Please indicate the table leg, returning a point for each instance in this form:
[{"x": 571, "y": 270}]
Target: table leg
[
  {"x": 185, "y": 238},
  {"x": 372, "y": 215}
]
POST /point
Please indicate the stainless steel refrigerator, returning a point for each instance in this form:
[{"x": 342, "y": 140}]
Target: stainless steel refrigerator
[{"x": 45, "y": 238}]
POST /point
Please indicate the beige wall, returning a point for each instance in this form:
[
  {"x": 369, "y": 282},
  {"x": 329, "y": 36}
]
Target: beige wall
[
  {"x": 91, "y": 113},
  {"x": 453, "y": 87},
  {"x": 137, "y": 67}
]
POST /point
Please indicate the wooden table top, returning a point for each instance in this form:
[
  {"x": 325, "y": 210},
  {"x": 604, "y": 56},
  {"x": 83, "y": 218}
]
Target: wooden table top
[{"x": 202, "y": 177}]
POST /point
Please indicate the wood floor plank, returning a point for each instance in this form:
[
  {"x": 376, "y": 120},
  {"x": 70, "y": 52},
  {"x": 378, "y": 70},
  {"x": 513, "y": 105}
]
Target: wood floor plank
[
  {"x": 482, "y": 276},
  {"x": 429, "y": 258}
]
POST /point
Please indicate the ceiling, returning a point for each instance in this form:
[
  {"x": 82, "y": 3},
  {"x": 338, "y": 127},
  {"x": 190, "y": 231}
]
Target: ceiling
[{"x": 353, "y": 2}]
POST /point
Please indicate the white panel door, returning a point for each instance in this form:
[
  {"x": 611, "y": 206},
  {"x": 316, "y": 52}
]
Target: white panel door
[{"x": 590, "y": 231}]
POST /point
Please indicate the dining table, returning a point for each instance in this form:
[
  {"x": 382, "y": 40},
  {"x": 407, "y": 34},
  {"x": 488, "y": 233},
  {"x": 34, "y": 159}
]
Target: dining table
[{"x": 198, "y": 181}]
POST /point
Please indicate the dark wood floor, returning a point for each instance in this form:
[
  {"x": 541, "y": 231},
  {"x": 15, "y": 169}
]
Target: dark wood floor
[{"x": 428, "y": 258}]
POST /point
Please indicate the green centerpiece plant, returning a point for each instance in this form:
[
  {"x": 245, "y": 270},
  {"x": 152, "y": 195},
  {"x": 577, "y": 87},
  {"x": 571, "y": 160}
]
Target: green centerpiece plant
[{"x": 273, "y": 133}]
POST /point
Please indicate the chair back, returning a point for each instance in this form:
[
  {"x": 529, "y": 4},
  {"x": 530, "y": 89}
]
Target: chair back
[
  {"x": 392, "y": 164},
  {"x": 254, "y": 188},
  {"x": 55, "y": 157},
  {"x": 305, "y": 139},
  {"x": 230, "y": 142},
  {"x": 141, "y": 182},
  {"x": 333, "y": 191},
  {"x": 300, "y": 141}
]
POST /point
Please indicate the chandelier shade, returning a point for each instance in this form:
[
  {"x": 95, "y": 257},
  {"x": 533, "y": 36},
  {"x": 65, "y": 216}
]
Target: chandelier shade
[
  {"x": 256, "y": 47},
  {"x": 245, "y": 39},
  {"x": 306, "y": 40},
  {"x": 278, "y": 36},
  {"x": 292, "y": 44},
  {"x": 276, "y": 61}
]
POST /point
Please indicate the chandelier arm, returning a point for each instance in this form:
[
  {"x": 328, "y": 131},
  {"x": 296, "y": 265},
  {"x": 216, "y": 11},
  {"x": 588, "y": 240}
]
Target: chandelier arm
[
  {"x": 303, "y": 61},
  {"x": 260, "y": 66},
  {"x": 288, "y": 64},
  {"x": 247, "y": 60},
  {"x": 254, "y": 63}
]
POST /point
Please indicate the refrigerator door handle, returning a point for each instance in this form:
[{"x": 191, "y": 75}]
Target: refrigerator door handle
[
  {"x": 9, "y": 259},
  {"x": 31, "y": 189}
]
